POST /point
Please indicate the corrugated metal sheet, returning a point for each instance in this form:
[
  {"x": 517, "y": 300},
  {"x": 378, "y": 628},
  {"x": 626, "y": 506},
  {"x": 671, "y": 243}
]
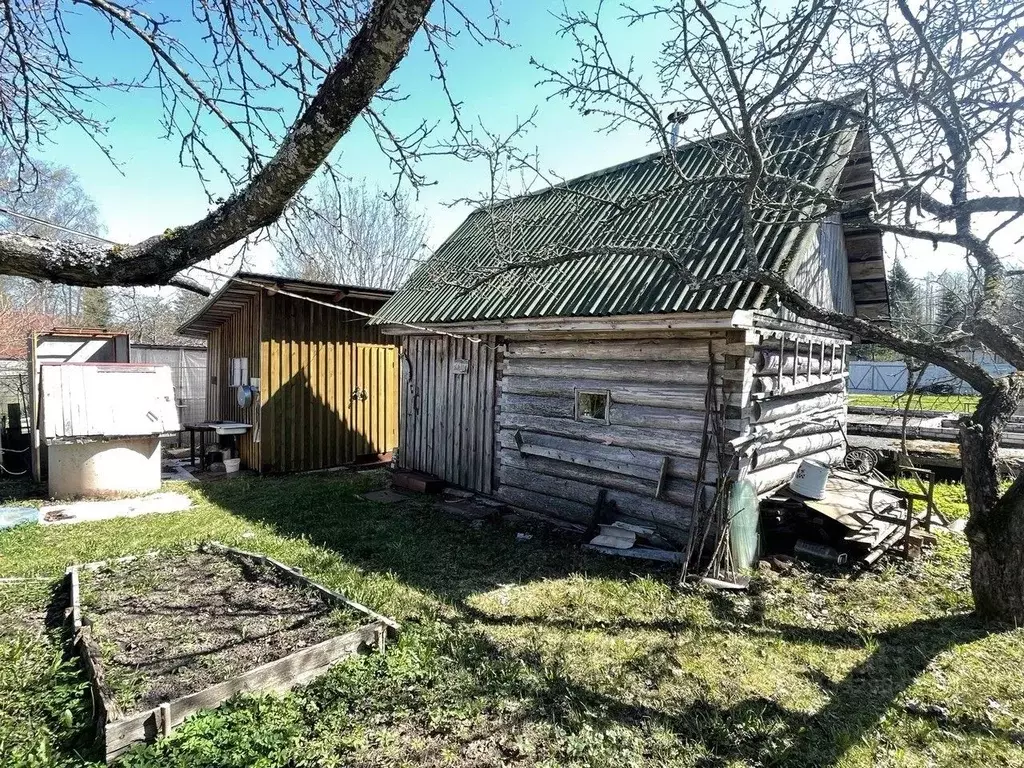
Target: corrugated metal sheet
[{"x": 640, "y": 204}]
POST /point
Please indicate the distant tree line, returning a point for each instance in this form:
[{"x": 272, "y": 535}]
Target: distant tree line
[{"x": 938, "y": 304}]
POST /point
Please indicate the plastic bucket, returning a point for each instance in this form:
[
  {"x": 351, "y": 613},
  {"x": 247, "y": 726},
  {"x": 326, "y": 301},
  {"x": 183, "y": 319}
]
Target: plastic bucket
[
  {"x": 232, "y": 465},
  {"x": 810, "y": 479}
]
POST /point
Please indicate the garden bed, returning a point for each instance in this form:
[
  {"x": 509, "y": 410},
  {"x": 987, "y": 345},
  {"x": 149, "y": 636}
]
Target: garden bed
[{"x": 165, "y": 635}]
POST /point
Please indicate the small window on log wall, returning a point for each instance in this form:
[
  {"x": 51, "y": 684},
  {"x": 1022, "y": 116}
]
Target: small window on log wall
[{"x": 592, "y": 406}]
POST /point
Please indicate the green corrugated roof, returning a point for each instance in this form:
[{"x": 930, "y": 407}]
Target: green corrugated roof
[{"x": 641, "y": 203}]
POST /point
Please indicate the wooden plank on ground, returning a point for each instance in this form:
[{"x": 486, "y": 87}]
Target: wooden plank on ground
[{"x": 279, "y": 675}]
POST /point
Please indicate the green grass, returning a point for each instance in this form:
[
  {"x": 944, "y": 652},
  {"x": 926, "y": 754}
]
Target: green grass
[
  {"x": 536, "y": 653},
  {"x": 950, "y": 498},
  {"x": 947, "y": 403}
]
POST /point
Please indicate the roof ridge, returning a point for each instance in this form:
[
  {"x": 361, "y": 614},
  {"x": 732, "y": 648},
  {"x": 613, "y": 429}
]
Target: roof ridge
[
  {"x": 795, "y": 114},
  {"x": 812, "y": 145}
]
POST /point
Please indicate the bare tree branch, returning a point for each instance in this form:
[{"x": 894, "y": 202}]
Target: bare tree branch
[{"x": 372, "y": 55}]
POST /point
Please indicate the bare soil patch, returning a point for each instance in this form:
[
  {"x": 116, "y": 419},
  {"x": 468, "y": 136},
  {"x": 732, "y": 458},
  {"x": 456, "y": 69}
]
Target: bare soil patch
[{"x": 176, "y": 623}]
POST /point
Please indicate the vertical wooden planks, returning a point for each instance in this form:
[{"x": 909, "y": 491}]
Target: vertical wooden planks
[
  {"x": 490, "y": 387},
  {"x": 394, "y": 396},
  {"x": 429, "y": 402},
  {"x": 468, "y": 413},
  {"x": 322, "y": 405},
  {"x": 405, "y": 424},
  {"x": 239, "y": 336},
  {"x": 330, "y": 389},
  {"x": 269, "y": 373},
  {"x": 446, "y": 385},
  {"x": 448, "y": 417},
  {"x": 325, "y": 355}
]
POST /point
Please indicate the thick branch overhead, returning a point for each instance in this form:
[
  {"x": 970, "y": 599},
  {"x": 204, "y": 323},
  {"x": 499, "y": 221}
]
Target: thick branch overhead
[{"x": 374, "y": 51}]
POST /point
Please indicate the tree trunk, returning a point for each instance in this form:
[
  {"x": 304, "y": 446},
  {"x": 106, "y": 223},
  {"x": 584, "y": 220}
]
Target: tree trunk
[{"x": 996, "y": 526}]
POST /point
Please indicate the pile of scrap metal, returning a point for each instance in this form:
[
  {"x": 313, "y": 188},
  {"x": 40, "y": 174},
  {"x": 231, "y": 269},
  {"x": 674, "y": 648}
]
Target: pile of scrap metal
[{"x": 857, "y": 517}]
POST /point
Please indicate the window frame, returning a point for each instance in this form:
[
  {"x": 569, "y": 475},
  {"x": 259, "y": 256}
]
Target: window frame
[{"x": 584, "y": 419}]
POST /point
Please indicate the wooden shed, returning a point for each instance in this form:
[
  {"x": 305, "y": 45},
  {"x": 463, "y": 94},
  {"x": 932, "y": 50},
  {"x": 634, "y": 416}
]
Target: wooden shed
[
  {"x": 571, "y": 387},
  {"x": 297, "y": 361}
]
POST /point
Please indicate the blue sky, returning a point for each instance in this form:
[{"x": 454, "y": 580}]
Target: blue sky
[{"x": 150, "y": 190}]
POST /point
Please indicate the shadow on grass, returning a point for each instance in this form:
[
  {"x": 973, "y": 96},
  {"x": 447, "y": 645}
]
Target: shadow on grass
[
  {"x": 760, "y": 730},
  {"x": 432, "y": 553},
  {"x": 423, "y": 547}
]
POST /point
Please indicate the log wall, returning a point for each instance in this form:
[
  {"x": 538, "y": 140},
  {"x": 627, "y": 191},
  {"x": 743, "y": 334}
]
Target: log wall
[
  {"x": 502, "y": 417},
  {"x": 552, "y": 462},
  {"x": 798, "y": 407}
]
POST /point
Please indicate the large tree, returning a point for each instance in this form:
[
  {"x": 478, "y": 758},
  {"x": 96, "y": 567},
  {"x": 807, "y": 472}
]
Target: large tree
[
  {"x": 43, "y": 192},
  {"x": 352, "y": 234},
  {"x": 222, "y": 68},
  {"x": 937, "y": 86}
]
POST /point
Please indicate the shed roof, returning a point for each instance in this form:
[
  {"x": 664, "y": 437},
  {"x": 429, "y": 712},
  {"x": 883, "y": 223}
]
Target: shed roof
[
  {"x": 640, "y": 203},
  {"x": 235, "y": 294}
]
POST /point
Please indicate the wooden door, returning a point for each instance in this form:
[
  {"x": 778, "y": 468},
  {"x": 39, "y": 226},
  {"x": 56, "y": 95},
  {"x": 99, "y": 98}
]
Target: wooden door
[
  {"x": 448, "y": 409},
  {"x": 373, "y": 399}
]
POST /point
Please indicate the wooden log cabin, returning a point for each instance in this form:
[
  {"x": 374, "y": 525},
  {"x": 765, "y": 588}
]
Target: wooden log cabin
[
  {"x": 323, "y": 384},
  {"x": 559, "y": 384}
]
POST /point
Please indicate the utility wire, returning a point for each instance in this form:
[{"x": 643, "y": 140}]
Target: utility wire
[
  {"x": 422, "y": 329},
  {"x": 269, "y": 289},
  {"x": 62, "y": 228}
]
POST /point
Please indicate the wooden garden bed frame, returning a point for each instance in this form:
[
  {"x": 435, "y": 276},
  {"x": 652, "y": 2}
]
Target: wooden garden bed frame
[{"x": 120, "y": 731}]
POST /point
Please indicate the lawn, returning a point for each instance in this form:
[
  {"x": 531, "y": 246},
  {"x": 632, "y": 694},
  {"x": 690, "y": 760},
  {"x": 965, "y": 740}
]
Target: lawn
[
  {"x": 918, "y": 402},
  {"x": 535, "y": 653}
]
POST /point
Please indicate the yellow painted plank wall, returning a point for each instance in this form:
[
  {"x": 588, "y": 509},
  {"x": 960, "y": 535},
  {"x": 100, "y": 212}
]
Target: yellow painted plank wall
[{"x": 329, "y": 385}]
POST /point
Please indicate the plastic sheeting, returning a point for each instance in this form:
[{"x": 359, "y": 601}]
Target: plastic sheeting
[
  {"x": 188, "y": 374},
  {"x": 13, "y": 516}
]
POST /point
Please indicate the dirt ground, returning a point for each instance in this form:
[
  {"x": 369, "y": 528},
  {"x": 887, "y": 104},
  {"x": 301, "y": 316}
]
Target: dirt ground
[{"x": 174, "y": 624}]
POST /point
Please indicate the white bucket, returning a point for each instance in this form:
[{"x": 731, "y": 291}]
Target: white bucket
[
  {"x": 810, "y": 479},
  {"x": 232, "y": 465}
]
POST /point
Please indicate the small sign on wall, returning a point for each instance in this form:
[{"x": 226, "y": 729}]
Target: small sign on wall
[{"x": 460, "y": 366}]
